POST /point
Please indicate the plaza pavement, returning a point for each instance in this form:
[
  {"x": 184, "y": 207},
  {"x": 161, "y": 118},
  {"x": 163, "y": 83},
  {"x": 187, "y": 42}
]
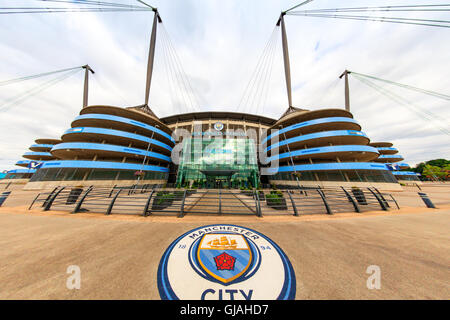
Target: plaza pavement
[{"x": 119, "y": 255}]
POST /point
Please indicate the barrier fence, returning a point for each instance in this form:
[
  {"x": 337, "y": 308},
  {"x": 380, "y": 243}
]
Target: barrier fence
[{"x": 153, "y": 200}]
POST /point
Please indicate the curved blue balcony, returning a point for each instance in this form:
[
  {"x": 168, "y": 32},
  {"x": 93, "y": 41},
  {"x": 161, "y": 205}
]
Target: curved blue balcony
[
  {"x": 118, "y": 133},
  {"x": 44, "y": 154},
  {"x": 42, "y": 146},
  {"x": 405, "y": 173},
  {"x": 322, "y": 150},
  {"x": 310, "y": 123},
  {"x": 109, "y": 148},
  {"x": 101, "y": 165},
  {"x": 318, "y": 135},
  {"x": 37, "y": 155},
  {"x": 387, "y": 149},
  {"x": 95, "y": 116},
  {"x": 390, "y": 156},
  {"x": 330, "y": 166},
  {"x": 22, "y": 171},
  {"x": 23, "y": 163}
]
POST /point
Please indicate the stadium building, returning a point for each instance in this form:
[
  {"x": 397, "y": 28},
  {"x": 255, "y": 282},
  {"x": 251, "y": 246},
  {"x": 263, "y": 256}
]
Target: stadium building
[
  {"x": 38, "y": 154},
  {"x": 108, "y": 146},
  {"x": 388, "y": 155}
]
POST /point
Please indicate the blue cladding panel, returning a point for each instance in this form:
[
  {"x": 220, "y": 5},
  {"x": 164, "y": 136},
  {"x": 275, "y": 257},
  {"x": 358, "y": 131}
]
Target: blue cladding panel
[
  {"x": 118, "y": 133},
  {"x": 389, "y": 156},
  {"x": 101, "y": 165},
  {"x": 44, "y": 154},
  {"x": 42, "y": 146},
  {"x": 309, "y": 123},
  {"x": 108, "y": 147},
  {"x": 318, "y": 135},
  {"x": 345, "y": 148},
  {"x": 405, "y": 173},
  {"x": 124, "y": 120},
  {"x": 22, "y": 171},
  {"x": 331, "y": 166}
]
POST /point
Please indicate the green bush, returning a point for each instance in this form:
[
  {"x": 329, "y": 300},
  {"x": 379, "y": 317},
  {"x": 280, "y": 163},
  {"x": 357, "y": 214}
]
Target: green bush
[
  {"x": 163, "y": 197},
  {"x": 276, "y": 200}
]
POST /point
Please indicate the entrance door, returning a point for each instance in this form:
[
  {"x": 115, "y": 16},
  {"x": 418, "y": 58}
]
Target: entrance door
[{"x": 221, "y": 183}]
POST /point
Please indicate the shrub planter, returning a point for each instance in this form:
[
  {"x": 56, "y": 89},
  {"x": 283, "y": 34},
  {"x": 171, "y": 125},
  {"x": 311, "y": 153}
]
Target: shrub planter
[
  {"x": 162, "y": 200},
  {"x": 276, "y": 201},
  {"x": 359, "y": 196},
  {"x": 74, "y": 195},
  {"x": 247, "y": 192}
]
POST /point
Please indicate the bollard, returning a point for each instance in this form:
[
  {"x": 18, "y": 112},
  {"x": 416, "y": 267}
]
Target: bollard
[{"x": 427, "y": 200}]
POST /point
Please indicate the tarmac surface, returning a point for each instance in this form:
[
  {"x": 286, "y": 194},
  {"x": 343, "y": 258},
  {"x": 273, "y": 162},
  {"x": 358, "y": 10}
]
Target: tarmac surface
[{"x": 119, "y": 255}]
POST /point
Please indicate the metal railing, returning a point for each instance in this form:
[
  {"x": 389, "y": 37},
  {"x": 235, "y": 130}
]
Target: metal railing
[{"x": 153, "y": 200}]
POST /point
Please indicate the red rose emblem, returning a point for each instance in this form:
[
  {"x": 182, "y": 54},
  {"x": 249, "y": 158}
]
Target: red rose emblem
[{"x": 225, "y": 262}]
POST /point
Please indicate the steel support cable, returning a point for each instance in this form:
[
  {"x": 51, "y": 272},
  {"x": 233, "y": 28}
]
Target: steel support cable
[
  {"x": 406, "y": 104},
  {"x": 425, "y": 6},
  {"x": 267, "y": 75},
  {"x": 174, "y": 75},
  {"x": 179, "y": 75},
  {"x": 270, "y": 75},
  {"x": 72, "y": 10},
  {"x": 259, "y": 79},
  {"x": 299, "y": 5},
  {"x": 394, "y": 18},
  {"x": 329, "y": 90},
  {"x": 403, "y": 102},
  {"x": 429, "y": 92},
  {"x": 368, "y": 10},
  {"x": 6, "y": 82},
  {"x": 402, "y": 99},
  {"x": 21, "y": 97},
  {"x": 266, "y": 71},
  {"x": 180, "y": 81},
  {"x": 248, "y": 90},
  {"x": 35, "y": 90},
  {"x": 97, "y": 3},
  {"x": 26, "y": 93},
  {"x": 185, "y": 81},
  {"x": 377, "y": 19},
  {"x": 245, "y": 95},
  {"x": 167, "y": 71},
  {"x": 106, "y": 85},
  {"x": 188, "y": 86}
]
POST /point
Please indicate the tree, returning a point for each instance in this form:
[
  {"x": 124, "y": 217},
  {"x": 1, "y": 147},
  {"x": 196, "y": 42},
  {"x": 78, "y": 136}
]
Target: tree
[
  {"x": 439, "y": 167},
  {"x": 434, "y": 172},
  {"x": 441, "y": 163}
]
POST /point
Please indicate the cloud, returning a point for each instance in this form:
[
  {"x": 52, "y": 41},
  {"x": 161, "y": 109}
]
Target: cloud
[{"x": 219, "y": 43}]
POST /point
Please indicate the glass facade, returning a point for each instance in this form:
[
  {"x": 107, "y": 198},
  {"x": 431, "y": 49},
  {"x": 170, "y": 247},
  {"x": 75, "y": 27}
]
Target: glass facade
[
  {"x": 341, "y": 175},
  {"x": 219, "y": 162},
  {"x": 80, "y": 174}
]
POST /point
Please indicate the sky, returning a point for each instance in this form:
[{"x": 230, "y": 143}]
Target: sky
[{"x": 218, "y": 44}]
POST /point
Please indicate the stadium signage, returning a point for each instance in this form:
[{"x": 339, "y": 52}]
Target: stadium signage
[{"x": 220, "y": 133}]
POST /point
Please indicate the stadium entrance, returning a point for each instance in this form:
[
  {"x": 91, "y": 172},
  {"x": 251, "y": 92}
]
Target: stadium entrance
[{"x": 218, "y": 163}]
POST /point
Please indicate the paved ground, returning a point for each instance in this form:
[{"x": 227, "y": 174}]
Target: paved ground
[{"x": 119, "y": 255}]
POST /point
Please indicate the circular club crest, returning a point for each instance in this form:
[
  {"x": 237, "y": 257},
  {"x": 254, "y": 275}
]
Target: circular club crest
[
  {"x": 218, "y": 126},
  {"x": 225, "y": 262}
]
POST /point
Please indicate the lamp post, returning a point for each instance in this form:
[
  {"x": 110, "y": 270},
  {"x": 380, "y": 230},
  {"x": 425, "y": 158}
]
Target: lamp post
[
  {"x": 290, "y": 156},
  {"x": 145, "y": 156}
]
